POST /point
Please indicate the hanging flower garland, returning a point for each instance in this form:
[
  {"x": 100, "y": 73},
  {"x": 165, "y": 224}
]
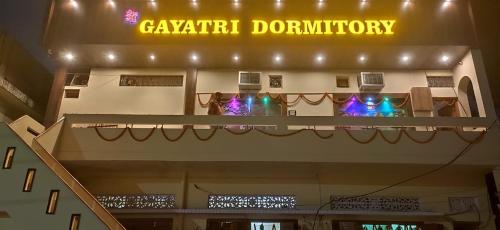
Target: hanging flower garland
[
  {"x": 376, "y": 132},
  {"x": 301, "y": 97}
]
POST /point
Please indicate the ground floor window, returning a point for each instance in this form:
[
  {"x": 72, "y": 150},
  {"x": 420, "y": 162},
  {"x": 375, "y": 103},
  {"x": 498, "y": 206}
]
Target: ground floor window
[
  {"x": 375, "y": 225},
  {"x": 247, "y": 224}
]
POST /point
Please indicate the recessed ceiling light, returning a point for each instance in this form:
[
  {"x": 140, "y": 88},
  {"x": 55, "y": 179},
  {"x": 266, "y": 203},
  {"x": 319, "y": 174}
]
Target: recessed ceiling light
[
  {"x": 194, "y": 57},
  {"x": 236, "y": 58},
  {"x": 445, "y": 58},
  {"x": 446, "y": 4},
  {"x": 406, "y": 3},
  {"x": 69, "y": 56},
  {"x": 278, "y": 58},
  {"x": 362, "y": 58},
  {"x": 405, "y": 58},
  {"x": 320, "y": 58},
  {"x": 153, "y": 3},
  {"x": 111, "y": 56},
  {"x": 73, "y": 3},
  {"x": 112, "y": 3}
]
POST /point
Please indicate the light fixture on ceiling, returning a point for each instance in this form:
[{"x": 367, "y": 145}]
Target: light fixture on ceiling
[
  {"x": 68, "y": 56},
  {"x": 278, "y": 58},
  {"x": 236, "y": 58},
  {"x": 111, "y": 56},
  {"x": 362, "y": 59},
  {"x": 320, "y": 4},
  {"x": 405, "y": 59},
  {"x": 194, "y": 3},
  {"x": 236, "y": 4},
  {"x": 363, "y": 4},
  {"x": 320, "y": 58},
  {"x": 446, "y": 4},
  {"x": 112, "y": 3},
  {"x": 278, "y": 4},
  {"x": 444, "y": 59},
  {"x": 74, "y": 4},
  {"x": 194, "y": 57},
  {"x": 153, "y": 4},
  {"x": 406, "y": 4}
]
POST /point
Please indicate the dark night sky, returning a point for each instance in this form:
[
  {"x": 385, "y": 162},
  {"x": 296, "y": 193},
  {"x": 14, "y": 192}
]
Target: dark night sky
[{"x": 24, "y": 20}]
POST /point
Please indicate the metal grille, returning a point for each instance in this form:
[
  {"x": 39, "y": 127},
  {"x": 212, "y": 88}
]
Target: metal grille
[
  {"x": 252, "y": 202},
  {"x": 343, "y": 82},
  {"x": 372, "y": 78},
  {"x": 440, "y": 81},
  {"x": 462, "y": 204},
  {"x": 16, "y": 92},
  {"x": 376, "y": 203},
  {"x": 152, "y": 80},
  {"x": 137, "y": 201},
  {"x": 249, "y": 78},
  {"x": 71, "y": 93}
]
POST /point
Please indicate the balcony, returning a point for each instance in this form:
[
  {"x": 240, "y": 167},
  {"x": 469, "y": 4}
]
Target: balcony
[{"x": 418, "y": 140}]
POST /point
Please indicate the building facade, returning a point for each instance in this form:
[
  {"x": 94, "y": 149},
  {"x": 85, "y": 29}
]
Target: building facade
[{"x": 266, "y": 114}]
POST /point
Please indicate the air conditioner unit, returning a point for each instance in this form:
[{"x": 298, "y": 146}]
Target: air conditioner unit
[
  {"x": 249, "y": 81},
  {"x": 371, "y": 81}
]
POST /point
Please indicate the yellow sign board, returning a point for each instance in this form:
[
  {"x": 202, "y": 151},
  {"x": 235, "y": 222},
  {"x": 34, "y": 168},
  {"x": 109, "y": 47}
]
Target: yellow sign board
[{"x": 262, "y": 27}]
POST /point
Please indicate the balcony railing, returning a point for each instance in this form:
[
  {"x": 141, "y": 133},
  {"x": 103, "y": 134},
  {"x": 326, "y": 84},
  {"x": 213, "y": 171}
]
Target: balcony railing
[{"x": 275, "y": 122}]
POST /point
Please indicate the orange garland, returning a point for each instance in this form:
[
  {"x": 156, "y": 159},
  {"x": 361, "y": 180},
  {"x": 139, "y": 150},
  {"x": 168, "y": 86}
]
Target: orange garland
[
  {"x": 212, "y": 134},
  {"x": 301, "y": 96}
]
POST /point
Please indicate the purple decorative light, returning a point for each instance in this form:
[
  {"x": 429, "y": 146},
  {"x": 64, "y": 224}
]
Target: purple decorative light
[{"x": 131, "y": 16}]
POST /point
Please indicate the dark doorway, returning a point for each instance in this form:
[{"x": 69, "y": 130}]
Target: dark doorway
[
  {"x": 146, "y": 223},
  {"x": 462, "y": 225},
  {"x": 467, "y": 97}
]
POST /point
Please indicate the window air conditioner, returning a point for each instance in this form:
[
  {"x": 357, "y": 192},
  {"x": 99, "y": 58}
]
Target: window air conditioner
[
  {"x": 371, "y": 81},
  {"x": 249, "y": 80}
]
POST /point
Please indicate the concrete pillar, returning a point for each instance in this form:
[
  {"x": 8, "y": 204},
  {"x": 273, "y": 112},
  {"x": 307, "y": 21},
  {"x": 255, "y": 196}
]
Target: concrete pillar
[
  {"x": 55, "y": 97},
  {"x": 190, "y": 93}
]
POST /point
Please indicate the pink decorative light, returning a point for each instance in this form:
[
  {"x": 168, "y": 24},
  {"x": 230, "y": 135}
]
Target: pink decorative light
[{"x": 131, "y": 16}]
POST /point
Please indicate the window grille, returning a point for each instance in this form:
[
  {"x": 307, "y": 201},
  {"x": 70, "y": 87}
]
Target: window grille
[
  {"x": 155, "y": 201},
  {"x": 152, "y": 80},
  {"x": 252, "y": 201}
]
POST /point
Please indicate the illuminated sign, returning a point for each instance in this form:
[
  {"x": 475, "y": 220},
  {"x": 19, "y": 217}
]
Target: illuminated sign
[{"x": 261, "y": 27}]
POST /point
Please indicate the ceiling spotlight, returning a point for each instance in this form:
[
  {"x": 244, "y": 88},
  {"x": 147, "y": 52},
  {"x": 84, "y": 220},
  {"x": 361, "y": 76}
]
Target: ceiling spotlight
[
  {"x": 69, "y": 56},
  {"x": 446, "y": 4},
  {"x": 236, "y": 58},
  {"x": 405, "y": 58},
  {"x": 111, "y": 57},
  {"x": 320, "y": 58},
  {"x": 278, "y": 58},
  {"x": 194, "y": 3},
  {"x": 445, "y": 58},
  {"x": 152, "y": 57},
  {"x": 406, "y": 3},
  {"x": 362, "y": 58},
  {"x": 73, "y": 3},
  {"x": 153, "y": 3},
  {"x": 112, "y": 3},
  {"x": 194, "y": 57}
]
